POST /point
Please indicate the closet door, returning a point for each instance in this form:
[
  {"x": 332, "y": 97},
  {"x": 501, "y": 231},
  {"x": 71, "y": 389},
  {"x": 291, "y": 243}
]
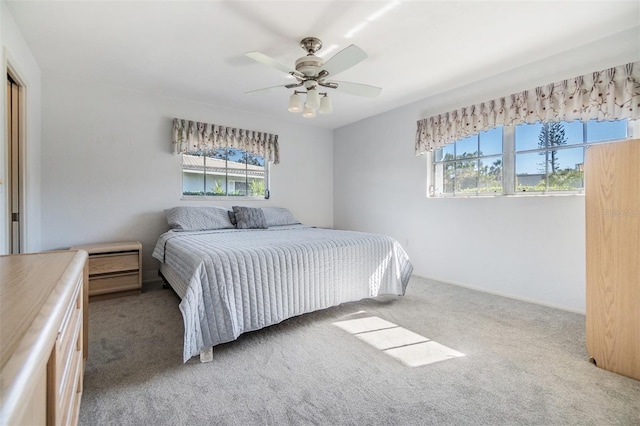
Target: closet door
[
  {"x": 15, "y": 174},
  {"x": 612, "y": 188}
]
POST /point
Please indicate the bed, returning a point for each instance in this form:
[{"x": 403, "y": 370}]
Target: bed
[{"x": 244, "y": 269}]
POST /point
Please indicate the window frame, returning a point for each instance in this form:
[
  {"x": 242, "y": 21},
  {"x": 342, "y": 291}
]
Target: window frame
[
  {"x": 234, "y": 197},
  {"x": 475, "y": 157},
  {"x": 509, "y": 153}
]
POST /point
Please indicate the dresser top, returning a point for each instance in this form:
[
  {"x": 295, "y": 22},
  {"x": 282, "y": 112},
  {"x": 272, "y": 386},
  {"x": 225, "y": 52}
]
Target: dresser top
[{"x": 27, "y": 282}]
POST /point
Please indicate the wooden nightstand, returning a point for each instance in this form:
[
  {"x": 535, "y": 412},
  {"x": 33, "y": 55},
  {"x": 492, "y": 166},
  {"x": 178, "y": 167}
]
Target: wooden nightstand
[{"x": 115, "y": 269}]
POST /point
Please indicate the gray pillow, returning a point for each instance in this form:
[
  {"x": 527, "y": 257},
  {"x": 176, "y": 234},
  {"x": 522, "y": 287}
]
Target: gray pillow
[
  {"x": 198, "y": 218},
  {"x": 232, "y": 217},
  {"x": 278, "y": 216},
  {"x": 249, "y": 218}
]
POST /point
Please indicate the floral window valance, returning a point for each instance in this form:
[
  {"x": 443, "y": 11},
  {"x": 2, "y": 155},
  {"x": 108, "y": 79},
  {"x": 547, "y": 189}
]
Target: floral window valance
[
  {"x": 193, "y": 136},
  {"x": 611, "y": 94}
]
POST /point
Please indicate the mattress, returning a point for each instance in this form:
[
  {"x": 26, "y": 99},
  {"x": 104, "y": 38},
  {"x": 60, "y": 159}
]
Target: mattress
[{"x": 239, "y": 280}]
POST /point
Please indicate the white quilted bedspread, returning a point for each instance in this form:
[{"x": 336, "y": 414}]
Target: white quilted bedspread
[{"x": 243, "y": 280}]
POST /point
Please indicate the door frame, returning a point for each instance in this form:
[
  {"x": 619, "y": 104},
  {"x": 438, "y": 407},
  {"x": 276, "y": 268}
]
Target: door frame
[{"x": 22, "y": 164}]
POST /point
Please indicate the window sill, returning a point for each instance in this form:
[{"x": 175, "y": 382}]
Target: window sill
[
  {"x": 519, "y": 195},
  {"x": 221, "y": 198}
]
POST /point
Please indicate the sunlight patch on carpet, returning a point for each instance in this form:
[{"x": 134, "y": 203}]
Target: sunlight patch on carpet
[
  {"x": 362, "y": 325},
  {"x": 404, "y": 345},
  {"x": 391, "y": 338}
]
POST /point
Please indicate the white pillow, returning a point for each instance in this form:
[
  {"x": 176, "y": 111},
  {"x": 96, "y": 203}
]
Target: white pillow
[
  {"x": 198, "y": 218},
  {"x": 278, "y": 216}
]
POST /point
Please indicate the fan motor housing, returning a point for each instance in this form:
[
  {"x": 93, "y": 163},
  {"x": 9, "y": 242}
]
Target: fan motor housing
[{"x": 309, "y": 65}]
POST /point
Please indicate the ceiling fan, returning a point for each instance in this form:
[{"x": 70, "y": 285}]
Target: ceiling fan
[{"x": 312, "y": 73}]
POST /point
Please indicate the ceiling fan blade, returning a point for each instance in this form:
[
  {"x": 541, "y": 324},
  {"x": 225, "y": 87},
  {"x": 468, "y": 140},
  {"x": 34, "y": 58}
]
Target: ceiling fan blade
[
  {"x": 266, "y": 89},
  {"x": 358, "y": 89},
  {"x": 264, "y": 59},
  {"x": 344, "y": 59}
]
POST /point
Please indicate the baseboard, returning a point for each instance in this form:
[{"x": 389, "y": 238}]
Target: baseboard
[
  {"x": 501, "y": 294},
  {"x": 152, "y": 280}
]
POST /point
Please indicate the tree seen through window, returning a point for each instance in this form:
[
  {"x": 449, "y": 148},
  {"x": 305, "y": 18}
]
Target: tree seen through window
[{"x": 540, "y": 158}]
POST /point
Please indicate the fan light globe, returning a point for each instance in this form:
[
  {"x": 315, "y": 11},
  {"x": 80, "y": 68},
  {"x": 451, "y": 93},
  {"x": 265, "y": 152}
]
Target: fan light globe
[
  {"x": 325, "y": 105},
  {"x": 308, "y": 112},
  {"x": 295, "y": 103},
  {"x": 313, "y": 98}
]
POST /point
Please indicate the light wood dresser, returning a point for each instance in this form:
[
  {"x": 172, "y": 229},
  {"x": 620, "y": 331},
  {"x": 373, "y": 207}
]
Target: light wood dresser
[
  {"x": 43, "y": 335},
  {"x": 115, "y": 269}
]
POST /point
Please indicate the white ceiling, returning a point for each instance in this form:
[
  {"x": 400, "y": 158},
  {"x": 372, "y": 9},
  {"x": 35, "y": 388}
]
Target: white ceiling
[{"x": 195, "y": 49}]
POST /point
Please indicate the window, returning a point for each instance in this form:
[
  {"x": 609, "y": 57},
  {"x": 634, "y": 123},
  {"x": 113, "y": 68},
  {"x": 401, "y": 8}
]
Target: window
[
  {"x": 224, "y": 172},
  {"x": 528, "y": 158},
  {"x": 472, "y": 165}
]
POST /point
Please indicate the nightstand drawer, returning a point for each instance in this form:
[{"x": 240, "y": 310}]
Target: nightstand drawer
[
  {"x": 113, "y": 283},
  {"x": 114, "y": 262},
  {"x": 115, "y": 269}
]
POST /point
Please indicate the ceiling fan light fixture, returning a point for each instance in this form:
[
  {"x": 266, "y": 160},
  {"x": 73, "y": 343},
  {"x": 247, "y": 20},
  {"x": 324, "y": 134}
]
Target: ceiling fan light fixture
[
  {"x": 313, "y": 98},
  {"x": 325, "y": 105},
  {"x": 312, "y": 73},
  {"x": 309, "y": 112},
  {"x": 295, "y": 103}
]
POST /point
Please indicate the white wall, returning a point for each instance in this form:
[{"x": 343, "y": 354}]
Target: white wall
[
  {"x": 107, "y": 174},
  {"x": 108, "y": 171},
  {"x": 16, "y": 56},
  {"x": 530, "y": 248}
]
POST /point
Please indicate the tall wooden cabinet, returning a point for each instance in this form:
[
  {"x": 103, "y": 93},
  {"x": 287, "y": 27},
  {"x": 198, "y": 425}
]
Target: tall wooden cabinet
[{"x": 612, "y": 188}]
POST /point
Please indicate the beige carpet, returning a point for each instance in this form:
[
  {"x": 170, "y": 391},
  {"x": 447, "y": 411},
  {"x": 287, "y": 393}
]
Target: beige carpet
[{"x": 510, "y": 363}]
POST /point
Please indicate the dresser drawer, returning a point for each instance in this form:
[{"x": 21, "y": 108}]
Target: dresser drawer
[
  {"x": 69, "y": 339},
  {"x": 65, "y": 366},
  {"x": 114, "y": 262},
  {"x": 113, "y": 283},
  {"x": 71, "y": 393}
]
